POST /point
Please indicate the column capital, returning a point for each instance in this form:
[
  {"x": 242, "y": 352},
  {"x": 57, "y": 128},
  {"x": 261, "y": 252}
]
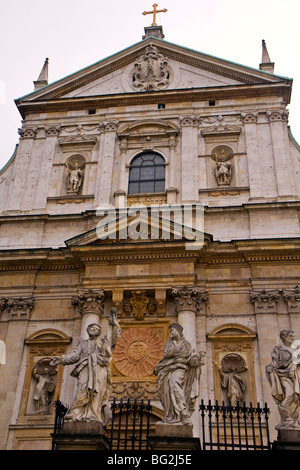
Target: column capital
[
  {"x": 249, "y": 118},
  {"x": 265, "y": 301},
  {"x": 90, "y": 301},
  {"x": 17, "y": 308},
  {"x": 189, "y": 298},
  {"x": 292, "y": 299}
]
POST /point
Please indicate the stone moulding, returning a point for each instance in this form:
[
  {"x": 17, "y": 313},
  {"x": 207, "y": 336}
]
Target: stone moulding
[{"x": 169, "y": 96}]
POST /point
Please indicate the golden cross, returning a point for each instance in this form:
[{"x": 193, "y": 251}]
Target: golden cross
[{"x": 155, "y": 11}]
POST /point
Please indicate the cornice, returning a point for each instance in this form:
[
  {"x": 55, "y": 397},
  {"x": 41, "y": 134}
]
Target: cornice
[{"x": 166, "y": 96}]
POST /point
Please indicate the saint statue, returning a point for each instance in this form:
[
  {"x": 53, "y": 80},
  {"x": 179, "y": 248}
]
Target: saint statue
[
  {"x": 178, "y": 378},
  {"x": 74, "y": 178},
  {"x": 45, "y": 375},
  {"x": 223, "y": 173},
  {"x": 92, "y": 358},
  {"x": 231, "y": 367},
  {"x": 283, "y": 374}
]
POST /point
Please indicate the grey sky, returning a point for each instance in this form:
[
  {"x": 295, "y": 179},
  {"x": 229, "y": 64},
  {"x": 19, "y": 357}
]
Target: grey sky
[{"x": 76, "y": 33}]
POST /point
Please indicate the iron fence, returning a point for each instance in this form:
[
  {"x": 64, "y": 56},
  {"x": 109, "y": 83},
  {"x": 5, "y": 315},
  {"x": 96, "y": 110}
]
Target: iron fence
[
  {"x": 239, "y": 427},
  {"x": 223, "y": 427}
]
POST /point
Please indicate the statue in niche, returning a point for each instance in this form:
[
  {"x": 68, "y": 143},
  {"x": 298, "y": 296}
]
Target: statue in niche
[
  {"x": 75, "y": 174},
  {"x": 223, "y": 173},
  {"x": 283, "y": 374},
  {"x": 223, "y": 170},
  {"x": 45, "y": 375},
  {"x": 178, "y": 378},
  {"x": 232, "y": 365},
  {"x": 92, "y": 358}
]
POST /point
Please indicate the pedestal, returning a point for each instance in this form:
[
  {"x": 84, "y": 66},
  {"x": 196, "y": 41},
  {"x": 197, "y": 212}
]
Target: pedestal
[
  {"x": 287, "y": 439},
  {"x": 174, "y": 437},
  {"x": 81, "y": 435}
]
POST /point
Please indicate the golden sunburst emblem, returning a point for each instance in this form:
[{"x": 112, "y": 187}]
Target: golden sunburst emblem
[{"x": 137, "y": 352}]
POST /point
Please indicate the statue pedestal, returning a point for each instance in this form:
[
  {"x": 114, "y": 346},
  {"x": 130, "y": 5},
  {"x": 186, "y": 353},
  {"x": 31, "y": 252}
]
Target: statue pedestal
[
  {"x": 81, "y": 435},
  {"x": 174, "y": 437},
  {"x": 287, "y": 439}
]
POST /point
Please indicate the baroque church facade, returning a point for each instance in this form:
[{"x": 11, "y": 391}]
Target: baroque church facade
[{"x": 155, "y": 125}]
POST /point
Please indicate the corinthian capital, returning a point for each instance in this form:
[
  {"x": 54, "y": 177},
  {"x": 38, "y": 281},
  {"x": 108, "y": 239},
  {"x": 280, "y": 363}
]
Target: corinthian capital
[
  {"x": 189, "y": 298},
  {"x": 278, "y": 115},
  {"x": 265, "y": 300},
  {"x": 20, "y": 308},
  {"x": 292, "y": 298},
  {"x": 90, "y": 301}
]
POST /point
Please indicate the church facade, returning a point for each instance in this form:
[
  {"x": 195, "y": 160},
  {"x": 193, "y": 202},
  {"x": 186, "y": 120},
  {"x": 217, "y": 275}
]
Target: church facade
[{"x": 106, "y": 159}]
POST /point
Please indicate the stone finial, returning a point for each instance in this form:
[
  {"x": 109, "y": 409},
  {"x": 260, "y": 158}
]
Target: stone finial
[
  {"x": 266, "y": 64},
  {"x": 43, "y": 76}
]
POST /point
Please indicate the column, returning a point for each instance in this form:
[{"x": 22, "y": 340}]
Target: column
[
  {"x": 265, "y": 307},
  {"x": 189, "y": 300},
  {"x": 90, "y": 305},
  {"x": 253, "y": 157}
]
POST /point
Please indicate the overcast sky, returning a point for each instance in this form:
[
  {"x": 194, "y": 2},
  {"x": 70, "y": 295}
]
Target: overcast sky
[{"x": 74, "y": 34}]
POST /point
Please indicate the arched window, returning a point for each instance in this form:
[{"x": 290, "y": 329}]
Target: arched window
[{"x": 147, "y": 174}]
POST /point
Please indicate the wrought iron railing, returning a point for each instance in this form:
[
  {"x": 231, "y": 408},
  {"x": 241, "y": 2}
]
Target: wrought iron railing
[
  {"x": 223, "y": 427},
  {"x": 239, "y": 427}
]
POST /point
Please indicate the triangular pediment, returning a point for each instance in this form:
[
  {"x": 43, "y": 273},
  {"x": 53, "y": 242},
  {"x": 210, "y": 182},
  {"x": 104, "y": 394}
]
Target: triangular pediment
[
  {"x": 151, "y": 65},
  {"x": 138, "y": 225}
]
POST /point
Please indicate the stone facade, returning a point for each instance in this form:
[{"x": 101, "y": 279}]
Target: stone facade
[{"x": 222, "y": 130}]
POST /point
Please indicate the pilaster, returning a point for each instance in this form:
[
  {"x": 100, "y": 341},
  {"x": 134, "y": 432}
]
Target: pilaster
[
  {"x": 103, "y": 194},
  {"x": 254, "y": 169},
  {"x": 283, "y": 165},
  {"x": 189, "y": 161},
  {"x": 46, "y": 165}
]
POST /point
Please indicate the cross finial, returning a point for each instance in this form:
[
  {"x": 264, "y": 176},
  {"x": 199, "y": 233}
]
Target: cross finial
[{"x": 154, "y": 12}]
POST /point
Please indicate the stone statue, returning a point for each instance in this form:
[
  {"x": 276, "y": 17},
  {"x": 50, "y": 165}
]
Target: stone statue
[
  {"x": 283, "y": 375},
  {"x": 45, "y": 375},
  {"x": 74, "y": 178},
  {"x": 92, "y": 357},
  {"x": 178, "y": 378},
  {"x": 231, "y": 367},
  {"x": 223, "y": 173}
]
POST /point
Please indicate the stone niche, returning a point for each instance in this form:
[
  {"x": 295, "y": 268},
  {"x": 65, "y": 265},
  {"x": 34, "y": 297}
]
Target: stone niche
[
  {"x": 233, "y": 359},
  {"x": 42, "y": 383}
]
